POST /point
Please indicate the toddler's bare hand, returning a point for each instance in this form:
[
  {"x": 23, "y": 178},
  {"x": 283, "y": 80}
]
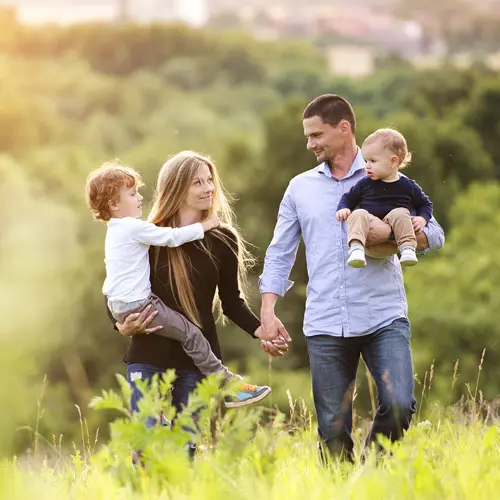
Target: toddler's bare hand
[
  {"x": 343, "y": 214},
  {"x": 211, "y": 223},
  {"x": 418, "y": 223}
]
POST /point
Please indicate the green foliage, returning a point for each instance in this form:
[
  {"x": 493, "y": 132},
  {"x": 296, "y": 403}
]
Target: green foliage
[
  {"x": 445, "y": 457},
  {"x": 453, "y": 298}
]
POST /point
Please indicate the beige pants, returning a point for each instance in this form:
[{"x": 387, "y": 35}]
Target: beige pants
[{"x": 358, "y": 225}]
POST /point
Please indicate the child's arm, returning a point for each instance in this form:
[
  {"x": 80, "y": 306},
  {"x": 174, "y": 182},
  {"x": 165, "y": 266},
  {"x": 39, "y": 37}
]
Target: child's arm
[
  {"x": 421, "y": 202},
  {"x": 150, "y": 234},
  {"x": 352, "y": 198},
  {"x": 350, "y": 201}
]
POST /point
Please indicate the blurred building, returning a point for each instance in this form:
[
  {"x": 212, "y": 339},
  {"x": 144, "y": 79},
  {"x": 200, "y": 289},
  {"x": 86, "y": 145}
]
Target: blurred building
[
  {"x": 192, "y": 12},
  {"x": 53, "y": 11}
]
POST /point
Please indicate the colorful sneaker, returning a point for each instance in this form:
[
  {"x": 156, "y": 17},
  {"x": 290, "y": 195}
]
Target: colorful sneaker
[
  {"x": 408, "y": 257},
  {"x": 248, "y": 394},
  {"x": 356, "y": 256}
]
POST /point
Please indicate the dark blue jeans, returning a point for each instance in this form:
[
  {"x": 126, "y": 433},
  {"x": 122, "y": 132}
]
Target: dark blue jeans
[
  {"x": 334, "y": 363},
  {"x": 183, "y": 386}
]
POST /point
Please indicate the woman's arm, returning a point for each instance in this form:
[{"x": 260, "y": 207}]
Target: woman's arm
[{"x": 233, "y": 305}]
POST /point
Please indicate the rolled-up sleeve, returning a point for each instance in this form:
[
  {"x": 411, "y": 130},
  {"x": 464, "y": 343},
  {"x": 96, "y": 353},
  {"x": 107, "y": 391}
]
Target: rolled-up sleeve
[
  {"x": 282, "y": 251},
  {"x": 435, "y": 235}
]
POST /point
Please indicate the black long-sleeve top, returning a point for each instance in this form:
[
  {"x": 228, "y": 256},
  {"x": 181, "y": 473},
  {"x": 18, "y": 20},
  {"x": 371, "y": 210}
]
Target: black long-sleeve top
[{"x": 206, "y": 276}]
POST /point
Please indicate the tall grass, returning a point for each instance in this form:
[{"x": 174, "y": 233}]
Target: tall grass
[{"x": 252, "y": 453}]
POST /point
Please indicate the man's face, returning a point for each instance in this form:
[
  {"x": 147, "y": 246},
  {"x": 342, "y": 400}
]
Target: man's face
[{"x": 324, "y": 140}]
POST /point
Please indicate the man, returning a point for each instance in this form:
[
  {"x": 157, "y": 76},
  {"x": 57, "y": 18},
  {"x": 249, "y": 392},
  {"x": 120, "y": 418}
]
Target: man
[{"x": 349, "y": 312}]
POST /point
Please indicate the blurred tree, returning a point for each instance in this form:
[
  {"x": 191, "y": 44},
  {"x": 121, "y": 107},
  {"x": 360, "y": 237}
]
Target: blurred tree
[
  {"x": 482, "y": 112},
  {"x": 453, "y": 298}
]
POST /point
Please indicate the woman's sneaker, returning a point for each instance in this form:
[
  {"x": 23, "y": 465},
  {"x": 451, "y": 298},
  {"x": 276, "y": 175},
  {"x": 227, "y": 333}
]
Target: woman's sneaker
[
  {"x": 356, "y": 256},
  {"x": 247, "y": 394},
  {"x": 408, "y": 257}
]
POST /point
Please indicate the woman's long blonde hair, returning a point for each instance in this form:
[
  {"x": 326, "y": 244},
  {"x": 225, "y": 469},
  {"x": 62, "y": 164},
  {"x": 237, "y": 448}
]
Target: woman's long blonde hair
[{"x": 174, "y": 180}]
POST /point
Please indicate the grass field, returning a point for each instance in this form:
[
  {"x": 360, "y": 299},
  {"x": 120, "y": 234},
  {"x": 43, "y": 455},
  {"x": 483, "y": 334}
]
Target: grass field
[{"x": 455, "y": 454}]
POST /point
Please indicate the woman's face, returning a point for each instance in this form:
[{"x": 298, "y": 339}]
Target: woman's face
[{"x": 200, "y": 192}]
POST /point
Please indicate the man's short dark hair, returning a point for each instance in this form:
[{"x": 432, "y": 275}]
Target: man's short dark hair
[{"x": 332, "y": 109}]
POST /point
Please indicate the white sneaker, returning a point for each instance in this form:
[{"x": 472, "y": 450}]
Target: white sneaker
[
  {"x": 408, "y": 257},
  {"x": 356, "y": 257}
]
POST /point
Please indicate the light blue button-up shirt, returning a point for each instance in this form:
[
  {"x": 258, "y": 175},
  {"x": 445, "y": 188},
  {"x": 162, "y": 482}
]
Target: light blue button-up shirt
[{"x": 341, "y": 300}]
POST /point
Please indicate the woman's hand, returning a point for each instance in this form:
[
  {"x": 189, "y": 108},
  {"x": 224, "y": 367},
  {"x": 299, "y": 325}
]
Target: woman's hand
[
  {"x": 276, "y": 347},
  {"x": 137, "y": 323}
]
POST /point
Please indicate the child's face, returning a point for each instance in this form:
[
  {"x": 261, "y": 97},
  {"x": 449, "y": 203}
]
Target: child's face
[
  {"x": 129, "y": 203},
  {"x": 380, "y": 162}
]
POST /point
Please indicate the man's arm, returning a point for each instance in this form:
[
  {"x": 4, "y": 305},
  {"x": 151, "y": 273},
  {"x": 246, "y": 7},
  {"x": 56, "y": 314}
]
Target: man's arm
[
  {"x": 431, "y": 237},
  {"x": 278, "y": 263}
]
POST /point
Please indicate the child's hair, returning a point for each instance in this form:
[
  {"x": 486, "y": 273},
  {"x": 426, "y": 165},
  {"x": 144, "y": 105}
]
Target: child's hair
[
  {"x": 104, "y": 184},
  {"x": 394, "y": 141}
]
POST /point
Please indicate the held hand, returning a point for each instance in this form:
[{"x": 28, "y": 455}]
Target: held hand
[
  {"x": 272, "y": 328},
  {"x": 277, "y": 347},
  {"x": 137, "y": 323},
  {"x": 343, "y": 214},
  {"x": 210, "y": 223},
  {"x": 274, "y": 348},
  {"x": 418, "y": 223}
]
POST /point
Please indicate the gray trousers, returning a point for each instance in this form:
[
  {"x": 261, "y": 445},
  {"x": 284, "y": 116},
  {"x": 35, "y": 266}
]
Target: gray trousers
[{"x": 175, "y": 327}]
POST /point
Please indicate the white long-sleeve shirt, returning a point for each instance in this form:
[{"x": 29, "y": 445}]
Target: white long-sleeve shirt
[{"x": 126, "y": 254}]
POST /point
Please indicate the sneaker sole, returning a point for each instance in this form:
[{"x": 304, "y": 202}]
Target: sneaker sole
[
  {"x": 357, "y": 263},
  {"x": 248, "y": 402},
  {"x": 408, "y": 263}
]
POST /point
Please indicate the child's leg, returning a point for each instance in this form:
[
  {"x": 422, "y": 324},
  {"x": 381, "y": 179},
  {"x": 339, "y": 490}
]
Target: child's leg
[
  {"x": 400, "y": 221},
  {"x": 358, "y": 225},
  {"x": 177, "y": 327}
]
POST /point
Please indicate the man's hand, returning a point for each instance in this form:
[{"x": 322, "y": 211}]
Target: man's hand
[
  {"x": 343, "y": 214},
  {"x": 272, "y": 328},
  {"x": 137, "y": 322},
  {"x": 418, "y": 223}
]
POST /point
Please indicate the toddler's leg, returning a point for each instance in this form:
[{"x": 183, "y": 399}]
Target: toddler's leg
[
  {"x": 358, "y": 225},
  {"x": 194, "y": 343},
  {"x": 400, "y": 221}
]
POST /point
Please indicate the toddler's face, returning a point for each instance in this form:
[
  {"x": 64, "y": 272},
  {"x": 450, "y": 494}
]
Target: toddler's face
[{"x": 380, "y": 162}]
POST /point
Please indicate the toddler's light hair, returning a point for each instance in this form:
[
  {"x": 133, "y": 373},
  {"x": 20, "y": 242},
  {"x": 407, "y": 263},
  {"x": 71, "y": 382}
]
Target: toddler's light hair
[
  {"x": 104, "y": 184},
  {"x": 394, "y": 141}
]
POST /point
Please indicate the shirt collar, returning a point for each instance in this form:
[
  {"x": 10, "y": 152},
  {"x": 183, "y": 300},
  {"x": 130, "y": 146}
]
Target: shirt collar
[{"x": 357, "y": 164}]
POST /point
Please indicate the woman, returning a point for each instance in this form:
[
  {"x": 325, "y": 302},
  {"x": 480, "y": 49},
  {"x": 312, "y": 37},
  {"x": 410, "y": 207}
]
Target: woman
[{"x": 187, "y": 278}]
